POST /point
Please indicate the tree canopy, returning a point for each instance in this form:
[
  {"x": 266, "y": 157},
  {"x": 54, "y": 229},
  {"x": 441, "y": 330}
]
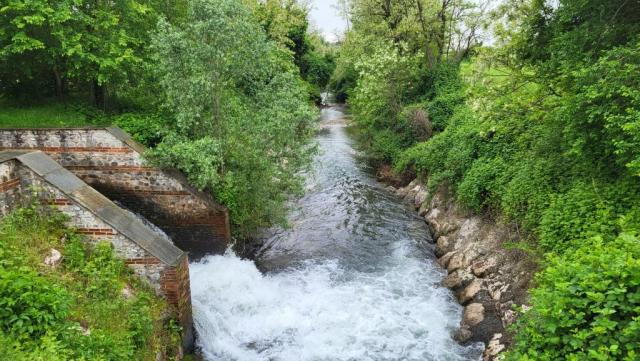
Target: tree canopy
[
  {"x": 220, "y": 89},
  {"x": 240, "y": 123}
]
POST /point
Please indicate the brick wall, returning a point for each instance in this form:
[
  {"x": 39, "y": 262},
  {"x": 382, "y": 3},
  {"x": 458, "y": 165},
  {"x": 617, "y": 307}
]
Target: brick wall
[
  {"x": 10, "y": 186},
  {"x": 109, "y": 161},
  {"x": 175, "y": 284},
  {"x": 19, "y": 184},
  {"x": 30, "y": 184}
]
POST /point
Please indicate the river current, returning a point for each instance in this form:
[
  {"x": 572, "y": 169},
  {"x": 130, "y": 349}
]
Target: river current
[{"x": 352, "y": 279}]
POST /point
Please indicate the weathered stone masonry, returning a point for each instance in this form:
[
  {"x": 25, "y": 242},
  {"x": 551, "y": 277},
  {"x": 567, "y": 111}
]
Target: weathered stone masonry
[
  {"x": 149, "y": 252},
  {"x": 112, "y": 163},
  {"x": 98, "y": 177}
]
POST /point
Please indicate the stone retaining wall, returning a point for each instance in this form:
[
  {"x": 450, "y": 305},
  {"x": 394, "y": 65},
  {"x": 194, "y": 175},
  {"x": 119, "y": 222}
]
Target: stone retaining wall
[
  {"x": 148, "y": 251},
  {"x": 111, "y": 162},
  {"x": 488, "y": 279}
]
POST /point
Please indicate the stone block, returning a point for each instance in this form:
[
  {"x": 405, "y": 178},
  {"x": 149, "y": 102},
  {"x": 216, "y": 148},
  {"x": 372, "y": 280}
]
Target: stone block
[
  {"x": 473, "y": 314},
  {"x": 470, "y": 291}
]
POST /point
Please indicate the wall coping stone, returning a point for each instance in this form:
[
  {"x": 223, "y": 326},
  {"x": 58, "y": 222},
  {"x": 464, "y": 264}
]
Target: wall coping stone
[{"x": 80, "y": 192}]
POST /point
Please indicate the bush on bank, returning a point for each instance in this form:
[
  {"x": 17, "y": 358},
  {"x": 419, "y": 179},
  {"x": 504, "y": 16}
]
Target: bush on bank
[
  {"x": 585, "y": 305},
  {"x": 76, "y": 310},
  {"x": 541, "y": 129}
]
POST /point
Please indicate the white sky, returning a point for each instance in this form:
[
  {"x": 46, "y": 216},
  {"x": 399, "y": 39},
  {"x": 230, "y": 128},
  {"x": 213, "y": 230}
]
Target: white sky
[{"x": 325, "y": 17}]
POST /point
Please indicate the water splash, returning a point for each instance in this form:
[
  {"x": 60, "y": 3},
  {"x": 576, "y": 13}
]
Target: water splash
[{"x": 319, "y": 311}]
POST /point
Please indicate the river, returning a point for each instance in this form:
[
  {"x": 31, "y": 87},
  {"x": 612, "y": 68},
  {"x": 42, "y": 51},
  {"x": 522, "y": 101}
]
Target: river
[{"x": 352, "y": 279}]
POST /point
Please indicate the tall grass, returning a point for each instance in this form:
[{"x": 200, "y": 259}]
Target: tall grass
[{"x": 46, "y": 114}]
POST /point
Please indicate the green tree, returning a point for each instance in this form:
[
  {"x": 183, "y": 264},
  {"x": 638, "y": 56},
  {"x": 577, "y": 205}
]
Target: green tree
[
  {"x": 241, "y": 123},
  {"x": 286, "y": 23},
  {"x": 38, "y": 38},
  {"x": 86, "y": 44}
]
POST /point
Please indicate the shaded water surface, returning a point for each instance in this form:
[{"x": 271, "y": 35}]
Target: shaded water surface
[{"x": 353, "y": 278}]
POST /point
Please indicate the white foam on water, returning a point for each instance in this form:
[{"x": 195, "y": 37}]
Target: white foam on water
[{"x": 320, "y": 311}]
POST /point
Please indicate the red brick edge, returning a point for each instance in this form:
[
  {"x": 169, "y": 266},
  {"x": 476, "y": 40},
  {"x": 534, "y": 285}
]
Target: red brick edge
[
  {"x": 97, "y": 231},
  {"x": 174, "y": 283},
  {"x": 59, "y": 202},
  {"x": 10, "y": 184},
  {"x": 112, "y": 168},
  {"x": 151, "y": 192},
  {"x": 74, "y": 149},
  {"x": 143, "y": 261}
]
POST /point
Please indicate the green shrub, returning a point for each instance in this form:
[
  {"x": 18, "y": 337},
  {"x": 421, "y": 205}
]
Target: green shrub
[
  {"x": 74, "y": 251},
  {"x": 443, "y": 106},
  {"x": 29, "y": 304},
  {"x": 481, "y": 186},
  {"x": 101, "y": 345},
  {"x": 47, "y": 348},
  {"x": 148, "y": 129},
  {"x": 317, "y": 68},
  {"x": 103, "y": 271},
  {"x": 140, "y": 323},
  {"x": 528, "y": 187},
  {"x": 440, "y": 89},
  {"x": 385, "y": 145},
  {"x": 586, "y": 210},
  {"x": 586, "y": 305},
  {"x": 74, "y": 311},
  {"x": 447, "y": 156}
]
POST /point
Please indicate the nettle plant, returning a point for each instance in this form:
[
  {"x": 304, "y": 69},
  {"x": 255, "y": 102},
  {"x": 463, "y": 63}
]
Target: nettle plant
[
  {"x": 30, "y": 306},
  {"x": 74, "y": 311},
  {"x": 586, "y": 305}
]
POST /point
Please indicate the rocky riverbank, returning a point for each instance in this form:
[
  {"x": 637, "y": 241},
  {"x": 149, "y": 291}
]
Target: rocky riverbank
[{"x": 489, "y": 279}]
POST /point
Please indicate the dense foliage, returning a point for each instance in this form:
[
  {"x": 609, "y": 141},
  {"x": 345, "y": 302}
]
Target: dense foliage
[
  {"x": 76, "y": 310},
  {"x": 239, "y": 123},
  {"x": 541, "y": 129},
  {"x": 220, "y": 89},
  {"x": 58, "y": 47},
  {"x": 286, "y": 23},
  {"x": 585, "y": 306}
]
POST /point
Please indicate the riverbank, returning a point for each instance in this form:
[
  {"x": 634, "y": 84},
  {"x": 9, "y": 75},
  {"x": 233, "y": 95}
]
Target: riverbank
[
  {"x": 489, "y": 278},
  {"x": 486, "y": 272}
]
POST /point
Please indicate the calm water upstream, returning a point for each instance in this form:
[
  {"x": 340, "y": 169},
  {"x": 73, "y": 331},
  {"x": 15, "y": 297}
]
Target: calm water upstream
[{"x": 353, "y": 279}]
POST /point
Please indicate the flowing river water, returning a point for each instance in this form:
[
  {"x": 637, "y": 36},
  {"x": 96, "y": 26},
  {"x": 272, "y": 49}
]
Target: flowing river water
[{"x": 353, "y": 279}]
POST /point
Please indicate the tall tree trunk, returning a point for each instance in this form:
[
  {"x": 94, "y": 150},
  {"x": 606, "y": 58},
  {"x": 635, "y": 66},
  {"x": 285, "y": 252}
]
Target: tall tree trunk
[
  {"x": 426, "y": 33},
  {"x": 442, "y": 30},
  {"x": 59, "y": 83},
  {"x": 99, "y": 94}
]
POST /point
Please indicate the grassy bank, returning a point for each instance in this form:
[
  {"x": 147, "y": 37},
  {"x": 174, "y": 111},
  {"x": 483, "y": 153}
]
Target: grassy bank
[
  {"x": 88, "y": 307},
  {"x": 47, "y": 114}
]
